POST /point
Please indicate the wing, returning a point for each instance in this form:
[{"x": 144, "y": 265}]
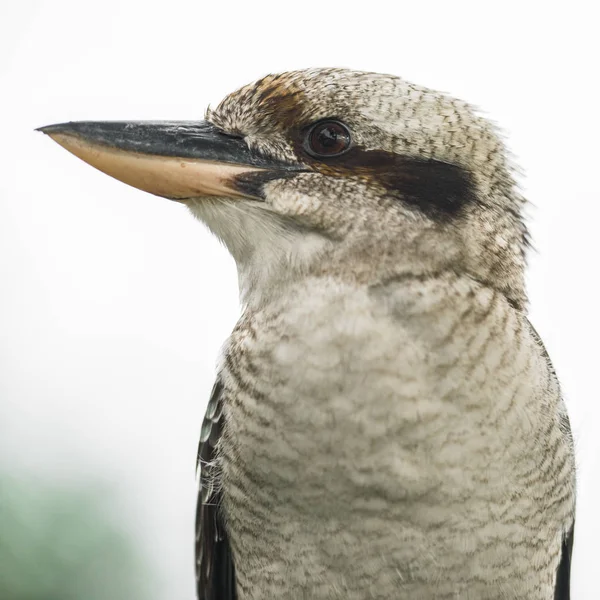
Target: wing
[
  {"x": 562, "y": 589},
  {"x": 563, "y": 575},
  {"x": 215, "y": 575}
]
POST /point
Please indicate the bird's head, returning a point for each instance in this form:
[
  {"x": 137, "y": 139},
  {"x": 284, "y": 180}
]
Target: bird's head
[{"x": 360, "y": 175}]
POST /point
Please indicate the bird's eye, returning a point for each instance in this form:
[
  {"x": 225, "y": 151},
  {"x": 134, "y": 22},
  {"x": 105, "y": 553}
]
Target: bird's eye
[{"x": 327, "y": 138}]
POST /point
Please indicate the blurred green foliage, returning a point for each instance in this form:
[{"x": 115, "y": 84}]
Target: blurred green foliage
[{"x": 64, "y": 542}]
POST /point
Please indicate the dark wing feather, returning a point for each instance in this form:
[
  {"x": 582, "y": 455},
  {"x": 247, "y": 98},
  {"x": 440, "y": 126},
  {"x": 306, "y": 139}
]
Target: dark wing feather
[
  {"x": 215, "y": 575},
  {"x": 563, "y": 575}
]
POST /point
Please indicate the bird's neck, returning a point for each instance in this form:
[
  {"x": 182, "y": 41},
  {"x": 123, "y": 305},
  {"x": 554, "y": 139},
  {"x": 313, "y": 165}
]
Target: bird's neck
[
  {"x": 361, "y": 260},
  {"x": 272, "y": 254}
]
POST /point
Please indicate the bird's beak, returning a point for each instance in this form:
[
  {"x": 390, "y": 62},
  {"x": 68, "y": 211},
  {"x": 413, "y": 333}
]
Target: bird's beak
[{"x": 177, "y": 160}]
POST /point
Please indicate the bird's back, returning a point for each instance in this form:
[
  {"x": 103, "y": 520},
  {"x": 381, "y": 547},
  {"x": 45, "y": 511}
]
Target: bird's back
[{"x": 407, "y": 436}]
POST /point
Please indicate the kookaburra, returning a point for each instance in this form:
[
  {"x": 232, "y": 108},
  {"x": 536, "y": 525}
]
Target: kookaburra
[{"x": 386, "y": 423}]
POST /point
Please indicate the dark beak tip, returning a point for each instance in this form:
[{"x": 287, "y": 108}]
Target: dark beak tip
[{"x": 50, "y": 129}]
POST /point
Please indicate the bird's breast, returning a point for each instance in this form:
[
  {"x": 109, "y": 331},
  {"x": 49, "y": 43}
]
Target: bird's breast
[{"x": 395, "y": 420}]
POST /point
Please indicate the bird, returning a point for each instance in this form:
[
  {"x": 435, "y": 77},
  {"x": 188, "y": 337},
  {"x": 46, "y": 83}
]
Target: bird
[{"x": 386, "y": 422}]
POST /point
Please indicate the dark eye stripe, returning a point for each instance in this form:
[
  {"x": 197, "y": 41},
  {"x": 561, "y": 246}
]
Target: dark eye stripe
[{"x": 435, "y": 187}]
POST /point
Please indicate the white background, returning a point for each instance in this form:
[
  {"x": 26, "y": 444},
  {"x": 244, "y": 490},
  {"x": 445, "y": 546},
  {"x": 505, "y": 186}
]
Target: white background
[{"x": 114, "y": 303}]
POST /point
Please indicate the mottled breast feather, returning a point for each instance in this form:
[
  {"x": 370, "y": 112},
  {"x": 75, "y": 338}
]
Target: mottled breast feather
[{"x": 215, "y": 575}]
